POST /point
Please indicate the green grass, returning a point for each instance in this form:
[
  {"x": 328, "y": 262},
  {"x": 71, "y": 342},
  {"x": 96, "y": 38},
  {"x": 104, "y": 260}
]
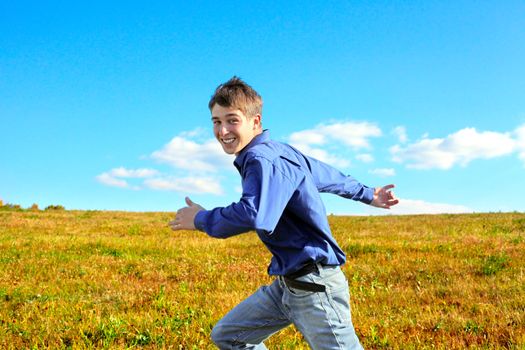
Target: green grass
[{"x": 95, "y": 279}]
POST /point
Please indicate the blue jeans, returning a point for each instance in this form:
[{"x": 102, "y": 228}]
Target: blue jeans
[{"x": 323, "y": 318}]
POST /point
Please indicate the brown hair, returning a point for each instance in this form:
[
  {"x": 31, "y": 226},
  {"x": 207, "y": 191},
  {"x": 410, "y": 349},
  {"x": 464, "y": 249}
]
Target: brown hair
[{"x": 235, "y": 93}]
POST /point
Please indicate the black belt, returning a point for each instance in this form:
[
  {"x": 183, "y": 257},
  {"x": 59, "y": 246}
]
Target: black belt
[{"x": 290, "y": 279}]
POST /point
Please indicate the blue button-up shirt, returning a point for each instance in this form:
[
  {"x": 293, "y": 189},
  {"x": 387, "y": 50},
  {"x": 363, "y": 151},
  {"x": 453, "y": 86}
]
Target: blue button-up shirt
[{"x": 281, "y": 202}]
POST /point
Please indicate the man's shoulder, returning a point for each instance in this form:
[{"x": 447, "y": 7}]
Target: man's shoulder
[
  {"x": 269, "y": 150},
  {"x": 274, "y": 153}
]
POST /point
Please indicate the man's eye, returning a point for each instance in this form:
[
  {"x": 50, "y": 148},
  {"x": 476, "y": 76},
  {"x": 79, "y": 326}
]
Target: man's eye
[{"x": 234, "y": 121}]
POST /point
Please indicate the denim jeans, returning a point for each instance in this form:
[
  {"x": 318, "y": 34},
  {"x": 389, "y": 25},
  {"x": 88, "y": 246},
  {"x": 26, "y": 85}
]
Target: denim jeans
[{"x": 323, "y": 318}]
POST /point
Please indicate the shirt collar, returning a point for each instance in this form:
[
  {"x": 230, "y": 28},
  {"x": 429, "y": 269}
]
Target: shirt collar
[{"x": 261, "y": 138}]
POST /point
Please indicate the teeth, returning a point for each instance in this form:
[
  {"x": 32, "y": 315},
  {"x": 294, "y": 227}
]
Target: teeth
[{"x": 228, "y": 141}]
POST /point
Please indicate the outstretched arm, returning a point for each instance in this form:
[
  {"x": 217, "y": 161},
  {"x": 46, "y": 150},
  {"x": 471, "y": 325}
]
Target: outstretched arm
[
  {"x": 384, "y": 197},
  {"x": 330, "y": 180},
  {"x": 259, "y": 208}
]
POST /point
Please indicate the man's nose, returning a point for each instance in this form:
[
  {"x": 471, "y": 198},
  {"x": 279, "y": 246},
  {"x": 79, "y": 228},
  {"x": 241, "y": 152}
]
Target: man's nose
[{"x": 223, "y": 130}]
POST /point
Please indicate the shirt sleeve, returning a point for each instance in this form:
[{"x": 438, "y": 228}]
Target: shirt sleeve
[
  {"x": 267, "y": 188},
  {"x": 330, "y": 180}
]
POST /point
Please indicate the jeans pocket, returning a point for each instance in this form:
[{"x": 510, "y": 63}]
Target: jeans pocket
[
  {"x": 300, "y": 293},
  {"x": 338, "y": 294},
  {"x": 340, "y": 302}
]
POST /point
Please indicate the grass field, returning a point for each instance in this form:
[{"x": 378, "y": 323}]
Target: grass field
[{"x": 94, "y": 279}]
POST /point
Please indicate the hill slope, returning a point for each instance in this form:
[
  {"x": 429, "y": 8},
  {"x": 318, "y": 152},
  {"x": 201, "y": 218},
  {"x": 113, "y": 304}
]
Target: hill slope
[{"x": 85, "y": 279}]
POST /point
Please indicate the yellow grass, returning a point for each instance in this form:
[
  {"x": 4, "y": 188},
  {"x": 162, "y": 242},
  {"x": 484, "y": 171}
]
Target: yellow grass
[{"x": 93, "y": 279}]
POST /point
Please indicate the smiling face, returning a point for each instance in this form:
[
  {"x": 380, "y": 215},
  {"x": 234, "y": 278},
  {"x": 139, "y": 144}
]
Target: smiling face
[{"x": 233, "y": 129}]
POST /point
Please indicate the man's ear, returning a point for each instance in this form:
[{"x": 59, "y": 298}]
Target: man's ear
[{"x": 257, "y": 121}]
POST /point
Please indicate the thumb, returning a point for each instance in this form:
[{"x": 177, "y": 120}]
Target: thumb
[
  {"x": 189, "y": 202},
  {"x": 388, "y": 187}
]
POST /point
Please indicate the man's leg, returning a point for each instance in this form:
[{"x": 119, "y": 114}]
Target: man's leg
[
  {"x": 323, "y": 318},
  {"x": 251, "y": 322}
]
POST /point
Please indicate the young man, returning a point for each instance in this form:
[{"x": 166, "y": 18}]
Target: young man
[{"x": 281, "y": 202}]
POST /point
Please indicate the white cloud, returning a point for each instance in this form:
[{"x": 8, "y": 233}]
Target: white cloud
[
  {"x": 331, "y": 137},
  {"x": 323, "y": 155},
  {"x": 401, "y": 133},
  {"x": 352, "y": 134},
  {"x": 196, "y": 185},
  {"x": 365, "y": 158},
  {"x": 520, "y": 142},
  {"x": 416, "y": 206},
  {"x": 134, "y": 173},
  {"x": 191, "y": 152},
  {"x": 383, "y": 172},
  {"x": 108, "y": 180},
  {"x": 198, "y": 133},
  {"x": 310, "y": 137},
  {"x": 114, "y": 177},
  {"x": 186, "y": 154},
  {"x": 460, "y": 148}
]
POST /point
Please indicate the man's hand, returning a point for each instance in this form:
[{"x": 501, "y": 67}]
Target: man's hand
[
  {"x": 185, "y": 216},
  {"x": 384, "y": 198}
]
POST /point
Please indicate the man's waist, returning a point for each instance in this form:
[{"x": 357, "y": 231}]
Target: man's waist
[
  {"x": 304, "y": 270},
  {"x": 291, "y": 279},
  {"x": 291, "y": 263}
]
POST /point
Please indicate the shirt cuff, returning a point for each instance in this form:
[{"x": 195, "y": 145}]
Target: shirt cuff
[
  {"x": 368, "y": 195},
  {"x": 200, "y": 220}
]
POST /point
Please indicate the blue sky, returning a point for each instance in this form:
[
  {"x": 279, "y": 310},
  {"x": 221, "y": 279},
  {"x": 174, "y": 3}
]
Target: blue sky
[{"x": 103, "y": 105}]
